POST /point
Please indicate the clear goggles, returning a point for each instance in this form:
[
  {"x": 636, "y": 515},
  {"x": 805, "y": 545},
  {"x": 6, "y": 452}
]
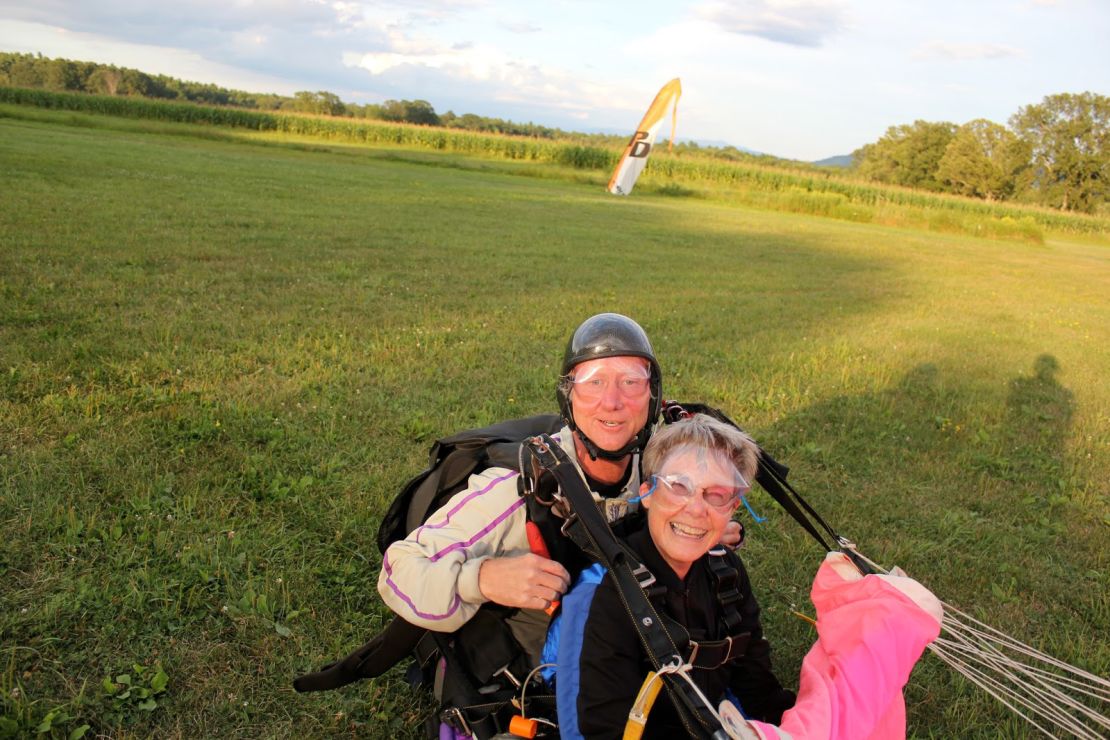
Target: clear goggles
[
  {"x": 592, "y": 381},
  {"x": 681, "y": 488},
  {"x": 718, "y": 481}
]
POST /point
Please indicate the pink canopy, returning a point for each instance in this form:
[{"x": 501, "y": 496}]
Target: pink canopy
[{"x": 871, "y": 630}]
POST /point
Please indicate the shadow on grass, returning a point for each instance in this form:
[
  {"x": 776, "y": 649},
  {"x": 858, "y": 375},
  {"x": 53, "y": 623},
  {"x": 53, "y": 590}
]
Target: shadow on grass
[
  {"x": 975, "y": 496},
  {"x": 1039, "y": 418}
]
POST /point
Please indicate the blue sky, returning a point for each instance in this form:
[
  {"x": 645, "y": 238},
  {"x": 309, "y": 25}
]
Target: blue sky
[{"x": 804, "y": 79}]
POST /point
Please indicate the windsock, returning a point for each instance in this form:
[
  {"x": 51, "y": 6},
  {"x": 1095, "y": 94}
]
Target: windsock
[{"x": 635, "y": 155}]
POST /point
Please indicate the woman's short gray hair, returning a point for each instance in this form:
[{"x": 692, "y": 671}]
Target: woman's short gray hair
[{"x": 703, "y": 432}]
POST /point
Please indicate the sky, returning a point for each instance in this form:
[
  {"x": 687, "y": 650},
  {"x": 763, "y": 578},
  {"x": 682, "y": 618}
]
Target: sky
[{"x": 801, "y": 79}]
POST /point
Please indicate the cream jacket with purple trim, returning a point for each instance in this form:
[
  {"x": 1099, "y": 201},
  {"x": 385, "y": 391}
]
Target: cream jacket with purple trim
[{"x": 431, "y": 577}]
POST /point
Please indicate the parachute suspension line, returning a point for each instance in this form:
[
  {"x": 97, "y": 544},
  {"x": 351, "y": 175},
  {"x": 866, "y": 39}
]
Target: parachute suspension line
[
  {"x": 1011, "y": 642},
  {"x": 1017, "y": 675},
  {"x": 1008, "y": 670},
  {"x": 1009, "y": 696}
]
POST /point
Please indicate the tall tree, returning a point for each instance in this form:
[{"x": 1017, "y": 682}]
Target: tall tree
[
  {"x": 1069, "y": 136},
  {"x": 409, "y": 111},
  {"x": 25, "y": 71},
  {"x": 323, "y": 101},
  {"x": 104, "y": 80},
  {"x": 61, "y": 74},
  {"x": 907, "y": 155},
  {"x": 983, "y": 160}
]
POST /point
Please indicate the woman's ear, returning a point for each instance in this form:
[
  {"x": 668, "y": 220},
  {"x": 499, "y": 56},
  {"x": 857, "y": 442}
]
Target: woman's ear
[{"x": 645, "y": 501}]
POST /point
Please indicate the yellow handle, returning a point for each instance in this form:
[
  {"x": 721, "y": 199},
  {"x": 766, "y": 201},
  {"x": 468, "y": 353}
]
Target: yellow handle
[{"x": 645, "y": 699}]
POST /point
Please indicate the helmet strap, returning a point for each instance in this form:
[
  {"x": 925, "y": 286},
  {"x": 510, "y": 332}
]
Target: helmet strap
[{"x": 595, "y": 452}]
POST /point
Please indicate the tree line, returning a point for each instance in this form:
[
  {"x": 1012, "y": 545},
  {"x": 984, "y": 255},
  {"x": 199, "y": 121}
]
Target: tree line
[
  {"x": 37, "y": 71},
  {"x": 1053, "y": 153}
]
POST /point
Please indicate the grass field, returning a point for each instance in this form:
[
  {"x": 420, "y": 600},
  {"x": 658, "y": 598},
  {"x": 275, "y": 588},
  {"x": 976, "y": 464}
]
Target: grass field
[{"x": 219, "y": 360}]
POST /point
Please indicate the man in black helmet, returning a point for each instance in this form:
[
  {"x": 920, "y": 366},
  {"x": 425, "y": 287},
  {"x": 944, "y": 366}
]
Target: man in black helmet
[{"x": 476, "y": 549}]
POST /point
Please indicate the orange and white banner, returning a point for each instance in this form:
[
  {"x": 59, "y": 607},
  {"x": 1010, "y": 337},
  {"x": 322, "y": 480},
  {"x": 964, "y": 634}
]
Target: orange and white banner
[{"x": 635, "y": 155}]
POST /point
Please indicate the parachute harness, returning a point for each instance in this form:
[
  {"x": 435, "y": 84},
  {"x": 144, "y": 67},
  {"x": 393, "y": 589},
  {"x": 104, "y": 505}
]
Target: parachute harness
[{"x": 585, "y": 526}]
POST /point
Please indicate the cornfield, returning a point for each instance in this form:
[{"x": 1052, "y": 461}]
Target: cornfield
[{"x": 833, "y": 195}]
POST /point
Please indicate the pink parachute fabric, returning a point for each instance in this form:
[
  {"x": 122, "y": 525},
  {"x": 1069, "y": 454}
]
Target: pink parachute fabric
[{"x": 871, "y": 630}]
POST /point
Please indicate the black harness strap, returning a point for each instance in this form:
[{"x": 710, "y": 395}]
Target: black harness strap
[
  {"x": 371, "y": 660},
  {"x": 713, "y": 655},
  {"x": 727, "y": 580}
]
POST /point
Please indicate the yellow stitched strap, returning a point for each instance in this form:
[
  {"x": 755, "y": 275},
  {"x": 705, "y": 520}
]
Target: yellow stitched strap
[{"x": 637, "y": 716}]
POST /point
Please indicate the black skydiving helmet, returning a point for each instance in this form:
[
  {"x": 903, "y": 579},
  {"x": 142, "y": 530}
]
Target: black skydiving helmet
[{"x": 609, "y": 335}]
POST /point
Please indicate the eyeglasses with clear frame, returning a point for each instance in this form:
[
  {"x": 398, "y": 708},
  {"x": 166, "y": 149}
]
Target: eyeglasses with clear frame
[{"x": 681, "y": 489}]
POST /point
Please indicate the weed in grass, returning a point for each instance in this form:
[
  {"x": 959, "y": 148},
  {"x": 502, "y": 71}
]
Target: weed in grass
[{"x": 137, "y": 691}]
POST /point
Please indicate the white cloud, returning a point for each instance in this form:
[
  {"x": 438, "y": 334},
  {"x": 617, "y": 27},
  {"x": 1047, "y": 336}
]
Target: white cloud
[
  {"x": 181, "y": 63},
  {"x": 486, "y": 73},
  {"x": 794, "y": 22},
  {"x": 962, "y": 52},
  {"x": 520, "y": 27}
]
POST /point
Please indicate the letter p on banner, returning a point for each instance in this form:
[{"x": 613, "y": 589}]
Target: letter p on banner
[{"x": 635, "y": 156}]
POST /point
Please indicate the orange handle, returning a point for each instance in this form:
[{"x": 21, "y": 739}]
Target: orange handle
[
  {"x": 523, "y": 727},
  {"x": 537, "y": 545}
]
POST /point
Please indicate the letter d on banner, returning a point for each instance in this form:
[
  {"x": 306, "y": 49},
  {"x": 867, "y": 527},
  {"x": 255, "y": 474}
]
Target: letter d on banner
[{"x": 635, "y": 156}]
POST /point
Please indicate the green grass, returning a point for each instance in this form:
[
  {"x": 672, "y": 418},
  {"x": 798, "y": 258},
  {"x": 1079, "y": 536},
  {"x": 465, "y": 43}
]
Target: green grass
[{"x": 220, "y": 359}]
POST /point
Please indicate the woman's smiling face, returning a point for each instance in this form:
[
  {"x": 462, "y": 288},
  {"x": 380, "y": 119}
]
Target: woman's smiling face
[{"x": 685, "y": 527}]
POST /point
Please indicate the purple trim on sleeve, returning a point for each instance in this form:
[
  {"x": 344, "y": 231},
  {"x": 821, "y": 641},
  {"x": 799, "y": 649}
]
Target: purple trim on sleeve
[
  {"x": 464, "y": 502},
  {"x": 388, "y": 568},
  {"x": 404, "y": 597},
  {"x": 480, "y": 534}
]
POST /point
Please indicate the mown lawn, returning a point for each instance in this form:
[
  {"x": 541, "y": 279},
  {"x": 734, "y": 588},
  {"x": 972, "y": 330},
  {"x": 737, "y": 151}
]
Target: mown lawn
[{"x": 219, "y": 360}]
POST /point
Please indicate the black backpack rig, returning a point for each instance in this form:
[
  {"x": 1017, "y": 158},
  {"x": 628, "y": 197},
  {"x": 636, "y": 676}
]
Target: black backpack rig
[{"x": 483, "y": 670}]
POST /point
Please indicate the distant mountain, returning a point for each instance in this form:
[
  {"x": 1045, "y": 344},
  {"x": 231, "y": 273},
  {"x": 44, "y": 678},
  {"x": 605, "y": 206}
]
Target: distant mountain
[
  {"x": 841, "y": 160},
  {"x": 720, "y": 144}
]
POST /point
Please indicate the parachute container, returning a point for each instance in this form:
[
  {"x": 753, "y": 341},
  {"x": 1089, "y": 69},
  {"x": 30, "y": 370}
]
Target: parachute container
[{"x": 635, "y": 155}]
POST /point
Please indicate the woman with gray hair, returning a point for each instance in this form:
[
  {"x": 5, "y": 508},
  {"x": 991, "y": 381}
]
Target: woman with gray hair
[{"x": 696, "y": 472}]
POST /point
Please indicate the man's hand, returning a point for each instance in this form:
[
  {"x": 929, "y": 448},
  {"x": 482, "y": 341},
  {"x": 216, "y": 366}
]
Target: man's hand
[
  {"x": 733, "y": 535},
  {"x": 526, "y": 581}
]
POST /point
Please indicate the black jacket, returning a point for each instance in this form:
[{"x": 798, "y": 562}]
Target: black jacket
[{"x": 612, "y": 664}]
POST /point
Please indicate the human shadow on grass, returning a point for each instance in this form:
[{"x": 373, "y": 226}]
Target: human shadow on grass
[
  {"x": 930, "y": 475},
  {"x": 1039, "y": 417},
  {"x": 927, "y": 446}
]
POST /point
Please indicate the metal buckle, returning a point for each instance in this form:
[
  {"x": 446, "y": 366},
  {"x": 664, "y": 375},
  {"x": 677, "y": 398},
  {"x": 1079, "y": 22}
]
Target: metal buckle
[
  {"x": 694, "y": 647},
  {"x": 638, "y": 574},
  {"x": 569, "y": 517},
  {"x": 454, "y": 718},
  {"x": 509, "y": 675}
]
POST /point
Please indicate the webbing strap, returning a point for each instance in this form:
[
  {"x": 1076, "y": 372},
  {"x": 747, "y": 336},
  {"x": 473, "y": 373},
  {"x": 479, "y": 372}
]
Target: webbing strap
[
  {"x": 776, "y": 485},
  {"x": 589, "y": 530},
  {"x": 727, "y": 581}
]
